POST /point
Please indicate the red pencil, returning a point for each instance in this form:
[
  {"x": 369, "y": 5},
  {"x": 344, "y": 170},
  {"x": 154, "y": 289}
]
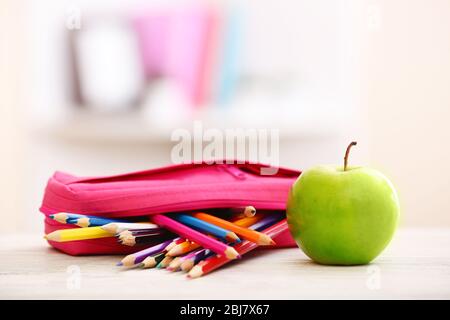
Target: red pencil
[
  {"x": 212, "y": 263},
  {"x": 203, "y": 240}
]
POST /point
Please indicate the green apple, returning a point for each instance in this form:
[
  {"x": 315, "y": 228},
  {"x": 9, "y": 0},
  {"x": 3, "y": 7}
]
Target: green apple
[{"x": 342, "y": 215}]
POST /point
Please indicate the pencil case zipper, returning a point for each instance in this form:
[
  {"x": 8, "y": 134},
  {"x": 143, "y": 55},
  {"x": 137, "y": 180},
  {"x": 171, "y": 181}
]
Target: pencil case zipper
[
  {"x": 166, "y": 190},
  {"x": 176, "y": 207}
]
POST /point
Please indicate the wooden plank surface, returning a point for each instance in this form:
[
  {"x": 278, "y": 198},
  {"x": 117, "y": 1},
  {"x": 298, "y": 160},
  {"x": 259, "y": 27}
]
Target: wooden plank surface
[{"x": 416, "y": 265}]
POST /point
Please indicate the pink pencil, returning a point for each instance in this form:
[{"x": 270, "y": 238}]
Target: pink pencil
[{"x": 195, "y": 236}]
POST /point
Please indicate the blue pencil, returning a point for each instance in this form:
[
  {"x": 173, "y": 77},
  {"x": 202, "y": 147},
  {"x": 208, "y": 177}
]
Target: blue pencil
[
  {"x": 82, "y": 220},
  {"x": 62, "y": 217},
  {"x": 90, "y": 221},
  {"x": 207, "y": 227}
]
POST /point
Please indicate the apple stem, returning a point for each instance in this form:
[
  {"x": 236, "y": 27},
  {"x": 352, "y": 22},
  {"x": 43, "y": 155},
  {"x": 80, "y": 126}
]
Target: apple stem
[{"x": 353, "y": 143}]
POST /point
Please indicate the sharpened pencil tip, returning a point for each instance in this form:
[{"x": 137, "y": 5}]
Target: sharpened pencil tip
[
  {"x": 53, "y": 236},
  {"x": 149, "y": 262},
  {"x": 195, "y": 272},
  {"x": 249, "y": 211},
  {"x": 174, "y": 264},
  {"x": 164, "y": 262},
  {"x": 232, "y": 237},
  {"x": 265, "y": 240},
  {"x": 177, "y": 250},
  {"x": 187, "y": 265},
  {"x": 231, "y": 253},
  {"x": 110, "y": 227},
  {"x": 119, "y": 264},
  {"x": 60, "y": 217}
]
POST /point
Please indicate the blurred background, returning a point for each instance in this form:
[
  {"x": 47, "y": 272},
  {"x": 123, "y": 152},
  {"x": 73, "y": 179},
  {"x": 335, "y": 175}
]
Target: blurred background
[{"x": 96, "y": 87}]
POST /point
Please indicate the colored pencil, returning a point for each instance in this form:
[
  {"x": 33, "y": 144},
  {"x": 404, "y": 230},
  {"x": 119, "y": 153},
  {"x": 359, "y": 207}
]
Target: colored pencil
[
  {"x": 174, "y": 243},
  {"x": 242, "y": 212},
  {"x": 152, "y": 261},
  {"x": 81, "y": 220},
  {"x": 117, "y": 227},
  {"x": 164, "y": 262},
  {"x": 266, "y": 221},
  {"x": 214, "y": 262},
  {"x": 207, "y": 227},
  {"x": 186, "y": 246},
  {"x": 139, "y": 256},
  {"x": 195, "y": 236},
  {"x": 248, "y": 221},
  {"x": 132, "y": 241},
  {"x": 254, "y": 222},
  {"x": 62, "y": 217},
  {"x": 78, "y": 234},
  {"x": 182, "y": 248},
  {"x": 140, "y": 232},
  {"x": 248, "y": 234},
  {"x": 188, "y": 261},
  {"x": 260, "y": 223},
  {"x": 89, "y": 221},
  {"x": 175, "y": 264}
]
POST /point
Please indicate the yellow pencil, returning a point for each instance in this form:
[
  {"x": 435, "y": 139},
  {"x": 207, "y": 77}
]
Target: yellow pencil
[{"x": 78, "y": 234}]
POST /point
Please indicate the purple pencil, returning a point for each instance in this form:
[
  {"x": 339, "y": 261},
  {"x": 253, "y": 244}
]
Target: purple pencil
[
  {"x": 266, "y": 222},
  {"x": 139, "y": 256}
]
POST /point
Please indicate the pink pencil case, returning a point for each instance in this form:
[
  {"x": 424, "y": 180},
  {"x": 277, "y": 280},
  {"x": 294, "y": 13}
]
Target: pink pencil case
[{"x": 175, "y": 188}]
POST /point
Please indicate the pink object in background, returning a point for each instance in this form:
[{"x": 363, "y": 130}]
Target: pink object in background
[
  {"x": 153, "y": 30},
  {"x": 189, "y": 50},
  {"x": 179, "y": 44}
]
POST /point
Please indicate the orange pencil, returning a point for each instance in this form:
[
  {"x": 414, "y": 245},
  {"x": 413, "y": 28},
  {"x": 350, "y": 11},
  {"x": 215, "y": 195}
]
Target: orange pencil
[
  {"x": 248, "y": 234},
  {"x": 182, "y": 248},
  {"x": 248, "y": 221}
]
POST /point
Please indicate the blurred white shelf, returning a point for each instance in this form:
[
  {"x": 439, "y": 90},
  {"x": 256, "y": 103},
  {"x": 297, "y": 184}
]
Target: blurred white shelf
[
  {"x": 138, "y": 127},
  {"x": 85, "y": 126}
]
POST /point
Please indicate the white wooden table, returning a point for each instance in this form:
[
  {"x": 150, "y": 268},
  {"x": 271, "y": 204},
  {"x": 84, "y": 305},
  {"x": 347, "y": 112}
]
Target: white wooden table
[{"x": 415, "y": 265}]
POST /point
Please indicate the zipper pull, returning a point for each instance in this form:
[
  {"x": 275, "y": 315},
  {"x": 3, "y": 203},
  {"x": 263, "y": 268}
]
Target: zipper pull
[{"x": 235, "y": 172}]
